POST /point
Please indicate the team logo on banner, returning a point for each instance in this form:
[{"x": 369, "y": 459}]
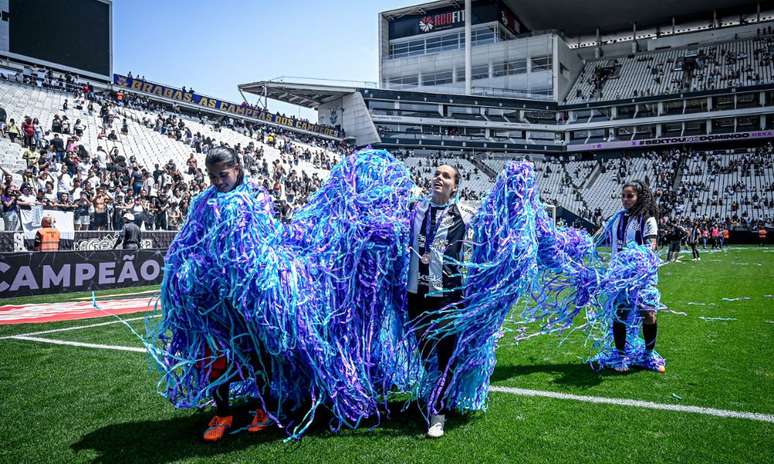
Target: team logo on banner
[{"x": 426, "y": 24}]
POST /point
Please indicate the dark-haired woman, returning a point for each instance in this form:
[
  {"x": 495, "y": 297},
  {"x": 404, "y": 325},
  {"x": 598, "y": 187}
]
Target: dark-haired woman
[
  {"x": 636, "y": 222},
  {"x": 439, "y": 228},
  {"x": 225, "y": 173}
]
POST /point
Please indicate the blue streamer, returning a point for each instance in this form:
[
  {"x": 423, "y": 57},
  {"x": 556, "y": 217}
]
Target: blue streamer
[{"x": 312, "y": 313}]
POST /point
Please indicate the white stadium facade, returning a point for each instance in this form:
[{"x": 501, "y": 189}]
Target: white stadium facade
[{"x": 554, "y": 77}]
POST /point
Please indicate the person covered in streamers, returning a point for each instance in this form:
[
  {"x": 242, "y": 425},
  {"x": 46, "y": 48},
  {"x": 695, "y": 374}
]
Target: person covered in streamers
[
  {"x": 438, "y": 229},
  {"x": 225, "y": 173},
  {"x": 637, "y": 223}
]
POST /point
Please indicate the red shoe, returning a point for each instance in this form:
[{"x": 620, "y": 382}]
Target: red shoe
[
  {"x": 218, "y": 427},
  {"x": 260, "y": 421}
]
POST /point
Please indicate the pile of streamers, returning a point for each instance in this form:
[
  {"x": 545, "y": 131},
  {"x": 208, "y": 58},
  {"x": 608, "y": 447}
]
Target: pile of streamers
[{"x": 312, "y": 313}]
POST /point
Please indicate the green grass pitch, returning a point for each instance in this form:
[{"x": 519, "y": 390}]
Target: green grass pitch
[{"x": 74, "y": 404}]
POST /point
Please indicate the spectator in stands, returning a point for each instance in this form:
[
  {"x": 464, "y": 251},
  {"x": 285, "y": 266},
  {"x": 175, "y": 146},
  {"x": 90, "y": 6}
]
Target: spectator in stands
[
  {"x": 31, "y": 157},
  {"x": 27, "y": 199},
  {"x": 100, "y": 204},
  {"x": 138, "y": 211},
  {"x": 59, "y": 147},
  {"x": 10, "y": 211},
  {"x": 81, "y": 217},
  {"x": 13, "y": 130},
  {"x": 38, "y": 138},
  {"x": 130, "y": 235},
  {"x": 79, "y": 127},
  {"x": 65, "y": 125},
  {"x": 28, "y": 131}
]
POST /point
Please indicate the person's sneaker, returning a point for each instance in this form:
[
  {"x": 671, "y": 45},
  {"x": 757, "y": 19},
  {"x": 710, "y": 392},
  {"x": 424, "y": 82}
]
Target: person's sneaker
[
  {"x": 260, "y": 421},
  {"x": 620, "y": 363},
  {"x": 654, "y": 362},
  {"x": 218, "y": 427},
  {"x": 436, "y": 426}
]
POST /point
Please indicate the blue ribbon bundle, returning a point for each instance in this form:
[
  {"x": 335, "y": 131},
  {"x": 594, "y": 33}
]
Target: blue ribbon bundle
[{"x": 313, "y": 313}]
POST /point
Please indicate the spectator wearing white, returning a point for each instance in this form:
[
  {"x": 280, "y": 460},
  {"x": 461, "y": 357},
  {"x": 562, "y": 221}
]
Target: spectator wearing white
[{"x": 27, "y": 198}]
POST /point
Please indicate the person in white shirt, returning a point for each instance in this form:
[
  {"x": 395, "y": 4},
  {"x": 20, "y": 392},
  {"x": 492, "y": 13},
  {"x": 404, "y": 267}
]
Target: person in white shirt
[
  {"x": 636, "y": 222},
  {"x": 65, "y": 183}
]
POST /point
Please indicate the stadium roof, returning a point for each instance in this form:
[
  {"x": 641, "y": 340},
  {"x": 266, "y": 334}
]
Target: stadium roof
[
  {"x": 310, "y": 95},
  {"x": 575, "y": 17}
]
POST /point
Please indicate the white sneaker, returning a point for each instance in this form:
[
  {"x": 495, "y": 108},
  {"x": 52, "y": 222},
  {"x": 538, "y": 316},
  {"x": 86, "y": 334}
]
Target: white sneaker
[{"x": 436, "y": 426}]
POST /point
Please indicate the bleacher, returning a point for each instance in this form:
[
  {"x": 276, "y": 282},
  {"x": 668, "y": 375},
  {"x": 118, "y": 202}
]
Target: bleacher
[
  {"x": 737, "y": 64},
  {"x": 715, "y": 185}
]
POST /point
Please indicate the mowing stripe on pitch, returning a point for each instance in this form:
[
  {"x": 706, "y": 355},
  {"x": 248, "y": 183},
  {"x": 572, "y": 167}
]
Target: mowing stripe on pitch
[
  {"x": 636, "y": 403},
  {"x": 76, "y": 327},
  {"x": 497, "y": 389}
]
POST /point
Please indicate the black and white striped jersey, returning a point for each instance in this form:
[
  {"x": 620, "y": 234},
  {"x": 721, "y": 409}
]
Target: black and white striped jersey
[{"x": 448, "y": 228}]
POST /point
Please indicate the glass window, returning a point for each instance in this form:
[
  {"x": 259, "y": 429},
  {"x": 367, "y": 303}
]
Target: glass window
[
  {"x": 452, "y": 41},
  {"x": 404, "y": 81},
  {"x": 478, "y": 72},
  {"x": 518, "y": 66},
  {"x": 541, "y": 63},
  {"x": 437, "y": 78}
]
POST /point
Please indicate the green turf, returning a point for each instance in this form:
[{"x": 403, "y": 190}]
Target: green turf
[{"x": 69, "y": 404}]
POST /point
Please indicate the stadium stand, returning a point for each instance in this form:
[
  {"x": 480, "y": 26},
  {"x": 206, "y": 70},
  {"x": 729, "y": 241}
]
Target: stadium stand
[
  {"x": 740, "y": 63},
  {"x": 148, "y": 159},
  {"x": 149, "y": 156}
]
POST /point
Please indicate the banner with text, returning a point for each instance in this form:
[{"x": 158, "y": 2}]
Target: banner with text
[
  {"x": 31, "y": 273},
  {"x": 235, "y": 109},
  {"x": 688, "y": 139}
]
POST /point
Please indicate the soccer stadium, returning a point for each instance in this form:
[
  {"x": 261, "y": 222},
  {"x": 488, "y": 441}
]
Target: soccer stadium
[{"x": 541, "y": 232}]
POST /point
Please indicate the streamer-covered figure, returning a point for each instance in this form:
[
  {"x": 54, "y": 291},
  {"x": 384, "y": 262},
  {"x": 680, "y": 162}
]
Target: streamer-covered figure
[
  {"x": 632, "y": 233},
  {"x": 314, "y": 313}
]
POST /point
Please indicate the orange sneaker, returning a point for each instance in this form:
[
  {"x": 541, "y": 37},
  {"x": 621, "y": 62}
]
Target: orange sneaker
[
  {"x": 218, "y": 427},
  {"x": 260, "y": 421}
]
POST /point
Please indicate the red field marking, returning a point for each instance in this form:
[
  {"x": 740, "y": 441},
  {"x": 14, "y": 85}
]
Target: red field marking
[{"x": 70, "y": 311}]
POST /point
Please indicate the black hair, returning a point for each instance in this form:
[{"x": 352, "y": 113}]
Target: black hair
[
  {"x": 646, "y": 202},
  {"x": 226, "y": 156}
]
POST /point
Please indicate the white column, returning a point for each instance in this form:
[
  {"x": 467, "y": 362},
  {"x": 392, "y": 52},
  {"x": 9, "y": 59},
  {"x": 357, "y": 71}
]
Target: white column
[{"x": 468, "y": 47}]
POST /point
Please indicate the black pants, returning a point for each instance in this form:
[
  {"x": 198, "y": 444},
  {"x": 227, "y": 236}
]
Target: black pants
[
  {"x": 674, "y": 249},
  {"x": 419, "y": 305},
  {"x": 694, "y": 250}
]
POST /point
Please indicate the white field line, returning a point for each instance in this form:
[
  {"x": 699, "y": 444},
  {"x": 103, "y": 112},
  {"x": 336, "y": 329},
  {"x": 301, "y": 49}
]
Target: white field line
[
  {"x": 636, "y": 403},
  {"x": 80, "y": 344},
  {"x": 67, "y": 329},
  {"x": 497, "y": 389}
]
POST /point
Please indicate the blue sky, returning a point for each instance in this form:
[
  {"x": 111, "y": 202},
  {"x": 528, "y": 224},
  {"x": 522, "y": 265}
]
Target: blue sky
[{"x": 216, "y": 45}]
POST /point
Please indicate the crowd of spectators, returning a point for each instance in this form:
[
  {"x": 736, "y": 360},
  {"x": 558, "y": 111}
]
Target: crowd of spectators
[{"x": 99, "y": 186}]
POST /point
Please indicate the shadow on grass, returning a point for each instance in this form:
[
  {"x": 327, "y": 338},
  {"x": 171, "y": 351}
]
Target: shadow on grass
[
  {"x": 176, "y": 439},
  {"x": 574, "y": 374}
]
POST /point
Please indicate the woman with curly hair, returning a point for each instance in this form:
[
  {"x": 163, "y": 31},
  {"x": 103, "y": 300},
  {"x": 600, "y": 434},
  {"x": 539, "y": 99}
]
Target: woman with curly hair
[{"x": 636, "y": 222}]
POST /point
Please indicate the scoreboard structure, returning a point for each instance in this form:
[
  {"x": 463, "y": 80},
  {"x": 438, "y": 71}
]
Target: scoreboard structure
[{"x": 72, "y": 35}]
